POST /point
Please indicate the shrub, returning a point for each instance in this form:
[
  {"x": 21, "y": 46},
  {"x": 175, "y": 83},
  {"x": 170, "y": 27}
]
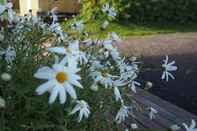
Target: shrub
[
  {"x": 86, "y": 81},
  {"x": 152, "y": 11}
]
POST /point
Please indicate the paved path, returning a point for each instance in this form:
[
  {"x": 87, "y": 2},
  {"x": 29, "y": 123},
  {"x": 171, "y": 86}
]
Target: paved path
[
  {"x": 181, "y": 47},
  {"x": 178, "y": 43}
]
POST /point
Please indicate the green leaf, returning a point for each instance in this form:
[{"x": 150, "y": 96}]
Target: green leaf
[{"x": 2, "y": 102}]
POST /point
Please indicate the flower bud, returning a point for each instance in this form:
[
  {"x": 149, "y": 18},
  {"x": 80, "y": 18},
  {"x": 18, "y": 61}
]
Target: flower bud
[
  {"x": 6, "y": 77},
  {"x": 104, "y": 25},
  {"x": 94, "y": 87},
  {"x": 2, "y": 103},
  {"x": 1, "y": 37},
  {"x": 134, "y": 126},
  {"x": 148, "y": 85},
  {"x": 133, "y": 59}
]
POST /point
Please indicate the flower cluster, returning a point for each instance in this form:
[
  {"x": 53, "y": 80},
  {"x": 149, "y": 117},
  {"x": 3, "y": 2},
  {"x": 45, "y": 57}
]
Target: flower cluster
[
  {"x": 106, "y": 69},
  {"x": 82, "y": 68},
  {"x": 167, "y": 68},
  {"x": 110, "y": 11}
]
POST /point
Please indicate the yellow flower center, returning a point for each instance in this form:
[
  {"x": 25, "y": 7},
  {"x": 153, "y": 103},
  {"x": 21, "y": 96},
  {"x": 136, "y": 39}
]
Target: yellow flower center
[
  {"x": 61, "y": 77},
  {"x": 104, "y": 74}
]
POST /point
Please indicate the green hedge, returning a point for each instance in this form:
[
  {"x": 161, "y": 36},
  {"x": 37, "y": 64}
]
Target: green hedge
[
  {"x": 162, "y": 11},
  {"x": 149, "y": 11}
]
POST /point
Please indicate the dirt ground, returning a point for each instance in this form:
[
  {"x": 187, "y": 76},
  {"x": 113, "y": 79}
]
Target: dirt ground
[{"x": 181, "y": 47}]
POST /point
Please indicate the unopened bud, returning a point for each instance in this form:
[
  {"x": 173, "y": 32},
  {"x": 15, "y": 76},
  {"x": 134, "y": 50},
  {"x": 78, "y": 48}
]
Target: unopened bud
[
  {"x": 148, "y": 85},
  {"x": 133, "y": 58},
  {"x": 6, "y": 77},
  {"x": 104, "y": 25},
  {"x": 94, "y": 87},
  {"x": 2, "y": 103}
]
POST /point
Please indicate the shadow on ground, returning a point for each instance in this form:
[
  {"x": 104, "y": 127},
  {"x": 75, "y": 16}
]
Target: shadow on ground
[
  {"x": 183, "y": 90},
  {"x": 180, "y": 47}
]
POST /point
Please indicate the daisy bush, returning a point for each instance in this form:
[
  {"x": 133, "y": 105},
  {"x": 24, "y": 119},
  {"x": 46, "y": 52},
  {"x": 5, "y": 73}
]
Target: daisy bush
[{"x": 58, "y": 81}]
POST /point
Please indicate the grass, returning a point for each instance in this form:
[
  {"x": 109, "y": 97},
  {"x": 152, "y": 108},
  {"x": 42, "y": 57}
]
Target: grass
[
  {"x": 129, "y": 29},
  {"x": 2, "y": 1}
]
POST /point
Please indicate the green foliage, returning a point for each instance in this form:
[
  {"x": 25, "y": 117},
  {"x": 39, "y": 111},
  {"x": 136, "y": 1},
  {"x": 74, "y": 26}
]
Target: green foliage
[
  {"x": 92, "y": 9},
  {"x": 162, "y": 11},
  {"x": 150, "y": 11},
  {"x": 24, "y": 110},
  {"x": 127, "y": 29}
]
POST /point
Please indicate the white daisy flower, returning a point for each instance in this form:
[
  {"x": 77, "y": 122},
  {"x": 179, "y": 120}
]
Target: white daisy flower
[
  {"x": 72, "y": 52},
  {"x": 167, "y": 68},
  {"x": 105, "y": 24},
  {"x": 192, "y": 127},
  {"x": 152, "y": 113},
  {"x": 104, "y": 79},
  {"x": 95, "y": 64},
  {"x": 61, "y": 80},
  {"x": 105, "y": 7},
  {"x": 116, "y": 84},
  {"x": 122, "y": 114},
  {"x": 83, "y": 108},
  {"x": 110, "y": 11},
  {"x": 133, "y": 85},
  {"x": 9, "y": 55},
  {"x": 127, "y": 72},
  {"x": 57, "y": 29},
  {"x": 78, "y": 26},
  {"x": 54, "y": 16},
  {"x": 108, "y": 44},
  {"x": 115, "y": 37},
  {"x": 72, "y": 49}
]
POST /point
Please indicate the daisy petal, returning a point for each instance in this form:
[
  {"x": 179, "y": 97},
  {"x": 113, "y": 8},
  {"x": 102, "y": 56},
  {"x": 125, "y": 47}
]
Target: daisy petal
[
  {"x": 60, "y": 50},
  {"x": 45, "y": 87},
  {"x": 76, "y": 108},
  {"x": 70, "y": 90},
  {"x": 44, "y": 73},
  {"x": 62, "y": 95},
  {"x": 76, "y": 83},
  {"x": 64, "y": 60},
  {"x": 58, "y": 67},
  {"x": 53, "y": 95}
]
